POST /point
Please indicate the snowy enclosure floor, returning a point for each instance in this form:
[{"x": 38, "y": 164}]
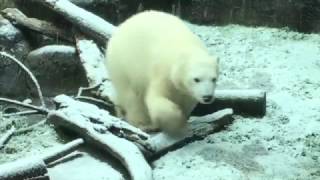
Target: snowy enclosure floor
[{"x": 283, "y": 145}]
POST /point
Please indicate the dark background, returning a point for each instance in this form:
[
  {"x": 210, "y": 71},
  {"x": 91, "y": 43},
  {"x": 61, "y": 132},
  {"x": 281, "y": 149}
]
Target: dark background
[{"x": 298, "y": 15}]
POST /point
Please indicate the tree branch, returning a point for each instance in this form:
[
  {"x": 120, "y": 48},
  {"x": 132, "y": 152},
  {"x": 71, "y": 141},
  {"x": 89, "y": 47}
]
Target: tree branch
[
  {"x": 34, "y": 80},
  {"x": 5, "y": 138},
  {"x": 29, "y": 106},
  {"x": 88, "y": 22},
  {"x": 17, "y": 17}
]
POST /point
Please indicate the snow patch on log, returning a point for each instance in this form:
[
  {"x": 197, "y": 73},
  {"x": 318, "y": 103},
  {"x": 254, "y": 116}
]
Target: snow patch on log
[
  {"x": 7, "y": 29},
  {"x": 52, "y": 50},
  {"x": 78, "y": 109},
  {"x": 92, "y": 60},
  {"x": 23, "y": 169},
  {"x": 97, "y": 126}
]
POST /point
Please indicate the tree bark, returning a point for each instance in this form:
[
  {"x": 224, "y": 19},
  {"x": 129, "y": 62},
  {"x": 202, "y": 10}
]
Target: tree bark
[
  {"x": 39, "y": 26},
  {"x": 88, "y": 22}
]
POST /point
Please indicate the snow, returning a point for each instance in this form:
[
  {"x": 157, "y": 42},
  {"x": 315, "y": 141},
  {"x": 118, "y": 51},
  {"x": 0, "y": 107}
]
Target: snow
[
  {"x": 284, "y": 63},
  {"x": 83, "y": 167},
  {"x": 23, "y": 168},
  {"x": 51, "y": 50},
  {"x": 93, "y": 62},
  {"x": 7, "y": 29},
  {"x": 93, "y": 123},
  {"x": 282, "y": 145}
]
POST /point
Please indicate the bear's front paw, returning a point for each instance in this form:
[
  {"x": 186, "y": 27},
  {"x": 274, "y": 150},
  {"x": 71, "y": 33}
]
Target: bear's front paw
[
  {"x": 172, "y": 122},
  {"x": 149, "y": 128}
]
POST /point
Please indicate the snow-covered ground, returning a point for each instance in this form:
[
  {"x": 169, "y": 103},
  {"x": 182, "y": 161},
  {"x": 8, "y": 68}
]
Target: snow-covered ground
[{"x": 283, "y": 145}]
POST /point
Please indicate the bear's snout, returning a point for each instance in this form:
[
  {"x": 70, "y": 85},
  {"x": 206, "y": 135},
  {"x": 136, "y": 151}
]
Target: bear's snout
[{"x": 207, "y": 98}]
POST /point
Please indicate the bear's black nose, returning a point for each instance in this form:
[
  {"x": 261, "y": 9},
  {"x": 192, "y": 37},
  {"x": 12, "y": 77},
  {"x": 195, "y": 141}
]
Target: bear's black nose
[{"x": 207, "y": 98}]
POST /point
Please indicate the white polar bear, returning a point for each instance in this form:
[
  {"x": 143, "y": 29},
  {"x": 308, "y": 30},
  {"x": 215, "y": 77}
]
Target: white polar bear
[{"x": 160, "y": 71}]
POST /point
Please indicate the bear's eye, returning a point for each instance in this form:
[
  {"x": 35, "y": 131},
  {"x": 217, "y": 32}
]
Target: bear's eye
[
  {"x": 213, "y": 79},
  {"x": 196, "y": 80}
]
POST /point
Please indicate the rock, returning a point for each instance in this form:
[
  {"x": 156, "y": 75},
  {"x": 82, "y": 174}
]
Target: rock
[
  {"x": 57, "y": 68},
  {"x": 12, "y": 41}
]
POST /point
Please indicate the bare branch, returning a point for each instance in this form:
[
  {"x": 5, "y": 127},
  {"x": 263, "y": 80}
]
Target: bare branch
[
  {"x": 22, "y": 113},
  {"x": 60, "y": 152},
  {"x": 30, "y": 128},
  {"x": 29, "y": 106},
  {"x": 5, "y": 138},
  {"x": 34, "y": 80}
]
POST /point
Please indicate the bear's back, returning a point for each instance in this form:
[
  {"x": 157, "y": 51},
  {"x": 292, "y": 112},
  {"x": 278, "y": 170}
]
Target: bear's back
[{"x": 144, "y": 41}]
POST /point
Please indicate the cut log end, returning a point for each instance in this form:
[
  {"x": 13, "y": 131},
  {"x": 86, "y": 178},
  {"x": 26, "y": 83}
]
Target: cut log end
[{"x": 243, "y": 102}]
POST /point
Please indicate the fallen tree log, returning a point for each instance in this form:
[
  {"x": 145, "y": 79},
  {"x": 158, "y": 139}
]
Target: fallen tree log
[
  {"x": 98, "y": 128},
  {"x": 35, "y": 167},
  {"x": 88, "y": 22},
  {"x": 39, "y": 26},
  {"x": 92, "y": 60},
  {"x": 199, "y": 128},
  {"x": 70, "y": 111},
  {"x": 244, "y": 102}
]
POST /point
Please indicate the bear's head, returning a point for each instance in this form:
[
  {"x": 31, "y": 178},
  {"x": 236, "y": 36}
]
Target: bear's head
[{"x": 198, "y": 76}]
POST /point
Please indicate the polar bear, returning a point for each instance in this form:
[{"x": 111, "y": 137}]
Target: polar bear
[{"x": 160, "y": 70}]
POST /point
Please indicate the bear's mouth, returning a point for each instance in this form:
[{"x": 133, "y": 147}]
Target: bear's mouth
[{"x": 207, "y": 100}]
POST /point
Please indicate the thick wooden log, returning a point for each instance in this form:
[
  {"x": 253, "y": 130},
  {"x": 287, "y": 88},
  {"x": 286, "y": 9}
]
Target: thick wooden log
[
  {"x": 23, "y": 169},
  {"x": 199, "y": 128},
  {"x": 92, "y": 60},
  {"x": 245, "y": 102},
  {"x": 89, "y": 23},
  {"x": 97, "y": 127},
  {"x": 39, "y": 26}
]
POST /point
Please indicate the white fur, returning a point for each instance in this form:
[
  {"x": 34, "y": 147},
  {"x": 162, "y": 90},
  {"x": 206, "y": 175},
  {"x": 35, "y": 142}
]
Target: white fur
[{"x": 153, "y": 59}]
